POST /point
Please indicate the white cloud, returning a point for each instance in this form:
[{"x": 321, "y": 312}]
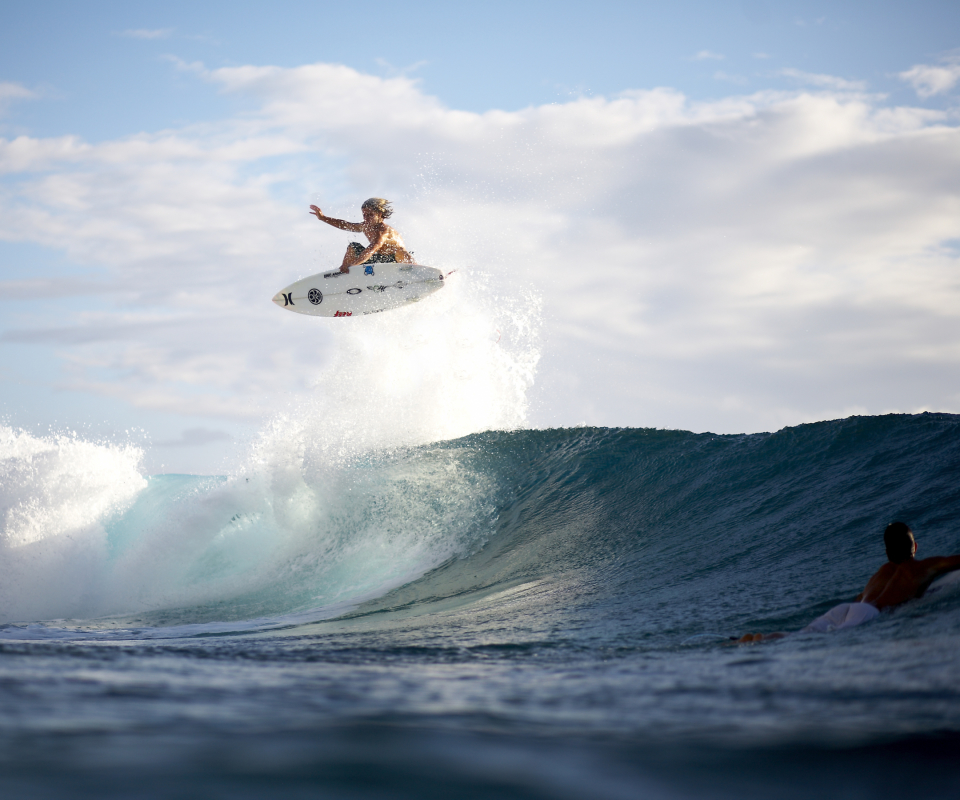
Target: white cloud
[
  {"x": 144, "y": 33},
  {"x": 724, "y": 76},
  {"x": 734, "y": 265},
  {"x": 830, "y": 82},
  {"x": 10, "y": 91},
  {"x": 197, "y": 67},
  {"x": 708, "y": 55},
  {"x": 929, "y": 80},
  {"x": 392, "y": 71},
  {"x": 195, "y": 437}
]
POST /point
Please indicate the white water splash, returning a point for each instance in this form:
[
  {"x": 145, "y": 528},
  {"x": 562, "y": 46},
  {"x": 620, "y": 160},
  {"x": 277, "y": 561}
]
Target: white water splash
[{"x": 328, "y": 506}]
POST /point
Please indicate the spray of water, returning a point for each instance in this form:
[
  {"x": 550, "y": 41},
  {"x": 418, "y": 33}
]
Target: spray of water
[
  {"x": 54, "y": 494},
  {"x": 340, "y": 497}
]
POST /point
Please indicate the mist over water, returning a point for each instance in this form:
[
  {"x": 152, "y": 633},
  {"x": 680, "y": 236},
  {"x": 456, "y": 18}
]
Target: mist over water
[{"x": 459, "y": 362}]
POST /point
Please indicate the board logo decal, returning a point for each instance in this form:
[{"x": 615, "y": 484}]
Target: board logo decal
[
  {"x": 344, "y": 314},
  {"x": 287, "y": 299},
  {"x": 336, "y": 274},
  {"x": 354, "y": 290},
  {"x": 368, "y": 270},
  {"x": 315, "y": 296},
  {"x": 383, "y": 288}
]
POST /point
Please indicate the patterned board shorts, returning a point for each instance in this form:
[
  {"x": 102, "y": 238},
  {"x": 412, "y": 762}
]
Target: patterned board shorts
[{"x": 376, "y": 258}]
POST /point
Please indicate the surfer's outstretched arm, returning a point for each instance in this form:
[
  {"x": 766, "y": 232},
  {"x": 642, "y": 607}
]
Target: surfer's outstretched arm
[
  {"x": 336, "y": 223},
  {"x": 940, "y": 565}
]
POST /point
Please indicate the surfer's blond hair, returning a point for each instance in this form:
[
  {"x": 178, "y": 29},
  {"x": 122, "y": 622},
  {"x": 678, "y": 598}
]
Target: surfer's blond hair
[{"x": 379, "y": 204}]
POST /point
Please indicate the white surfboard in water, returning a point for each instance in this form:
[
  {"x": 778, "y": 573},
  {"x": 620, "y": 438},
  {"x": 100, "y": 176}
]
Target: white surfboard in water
[{"x": 365, "y": 289}]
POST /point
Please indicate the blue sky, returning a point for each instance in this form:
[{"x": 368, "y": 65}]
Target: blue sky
[
  {"x": 103, "y": 69},
  {"x": 772, "y": 188}
]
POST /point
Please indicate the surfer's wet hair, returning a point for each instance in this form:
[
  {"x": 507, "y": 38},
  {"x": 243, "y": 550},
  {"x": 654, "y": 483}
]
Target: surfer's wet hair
[
  {"x": 898, "y": 539},
  {"x": 379, "y": 204}
]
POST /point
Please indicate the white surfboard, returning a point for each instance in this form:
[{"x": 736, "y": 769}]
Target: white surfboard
[{"x": 365, "y": 289}]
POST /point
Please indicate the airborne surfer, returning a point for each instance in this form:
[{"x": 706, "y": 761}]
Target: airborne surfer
[
  {"x": 386, "y": 245},
  {"x": 902, "y": 578}
]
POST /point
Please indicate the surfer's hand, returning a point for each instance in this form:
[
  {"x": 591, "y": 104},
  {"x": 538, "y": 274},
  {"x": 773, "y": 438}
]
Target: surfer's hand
[
  {"x": 316, "y": 212},
  {"x": 345, "y": 269}
]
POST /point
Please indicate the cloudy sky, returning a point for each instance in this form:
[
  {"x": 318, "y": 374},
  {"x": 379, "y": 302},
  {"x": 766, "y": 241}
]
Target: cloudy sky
[{"x": 725, "y": 216}]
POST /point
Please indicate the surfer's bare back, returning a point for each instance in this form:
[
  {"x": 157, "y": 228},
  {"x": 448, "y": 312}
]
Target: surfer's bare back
[
  {"x": 902, "y": 578},
  {"x": 386, "y": 245}
]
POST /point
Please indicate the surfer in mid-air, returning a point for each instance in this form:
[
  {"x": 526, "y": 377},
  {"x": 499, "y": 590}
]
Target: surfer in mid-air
[
  {"x": 386, "y": 245},
  {"x": 902, "y": 578}
]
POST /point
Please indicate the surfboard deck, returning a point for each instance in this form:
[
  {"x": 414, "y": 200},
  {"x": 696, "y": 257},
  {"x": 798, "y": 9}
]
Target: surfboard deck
[{"x": 365, "y": 289}]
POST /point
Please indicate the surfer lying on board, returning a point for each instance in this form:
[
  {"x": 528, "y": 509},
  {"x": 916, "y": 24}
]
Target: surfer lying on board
[
  {"x": 386, "y": 246},
  {"x": 902, "y": 578}
]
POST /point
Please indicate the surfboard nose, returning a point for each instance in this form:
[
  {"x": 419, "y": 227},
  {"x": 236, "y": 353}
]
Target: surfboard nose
[{"x": 284, "y": 298}]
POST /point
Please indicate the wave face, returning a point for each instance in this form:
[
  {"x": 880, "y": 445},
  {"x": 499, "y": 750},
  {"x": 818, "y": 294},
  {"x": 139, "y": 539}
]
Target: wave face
[
  {"x": 656, "y": 535},
  {"x": 661, "y": 535}
]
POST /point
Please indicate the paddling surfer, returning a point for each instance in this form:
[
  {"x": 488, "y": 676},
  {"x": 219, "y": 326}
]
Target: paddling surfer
[
  {"x": 386, "y": 245},
  {"x": 902, "y": 578}
]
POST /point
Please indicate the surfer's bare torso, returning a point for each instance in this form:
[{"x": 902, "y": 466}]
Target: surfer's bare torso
[
  {"x": 386, "y": 244},
  {"x": 894, "y": 584}
]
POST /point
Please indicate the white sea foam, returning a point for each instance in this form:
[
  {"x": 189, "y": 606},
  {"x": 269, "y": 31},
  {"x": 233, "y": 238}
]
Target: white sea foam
[
  {"x": 55, "y": 493},
  {"x": 329, "y": 506},
  {"x": 59, "y": 485}
]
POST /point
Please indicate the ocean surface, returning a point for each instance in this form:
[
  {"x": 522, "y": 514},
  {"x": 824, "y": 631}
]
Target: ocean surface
[{"x": 529, "y": 613}]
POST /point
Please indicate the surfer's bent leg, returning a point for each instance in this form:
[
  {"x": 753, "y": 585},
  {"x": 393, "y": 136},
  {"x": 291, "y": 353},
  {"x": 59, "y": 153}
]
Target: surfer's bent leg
[{"x": 352, "y": 256}]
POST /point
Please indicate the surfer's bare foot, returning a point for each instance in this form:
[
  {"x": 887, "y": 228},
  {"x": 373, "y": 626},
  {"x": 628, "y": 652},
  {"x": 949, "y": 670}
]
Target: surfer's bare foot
[
  {"x": 345, "y": 269},
  {"x": 750, "y": 638}
]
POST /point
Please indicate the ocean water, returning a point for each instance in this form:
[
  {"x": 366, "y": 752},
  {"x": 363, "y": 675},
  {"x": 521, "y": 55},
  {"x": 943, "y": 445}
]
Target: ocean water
[{"x": 401, "y": 592}]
